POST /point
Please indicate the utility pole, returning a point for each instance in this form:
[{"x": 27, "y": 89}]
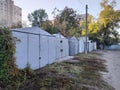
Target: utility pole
[{"x": 86, "y": 34}]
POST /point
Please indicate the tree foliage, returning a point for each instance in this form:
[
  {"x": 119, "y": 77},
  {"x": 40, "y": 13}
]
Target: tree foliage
[
  {"x": 109, "y": 19},
  {"x": 49, "y": 27},
  {"x": 103, "y": 30},
  {"x": 38, "y": 17},
  {"x": 92, "y": 25},
  {"x": 67, "y": 21}
]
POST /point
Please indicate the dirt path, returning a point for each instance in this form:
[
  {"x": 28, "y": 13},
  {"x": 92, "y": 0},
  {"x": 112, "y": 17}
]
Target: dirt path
[{"x": 113, "y": 65}]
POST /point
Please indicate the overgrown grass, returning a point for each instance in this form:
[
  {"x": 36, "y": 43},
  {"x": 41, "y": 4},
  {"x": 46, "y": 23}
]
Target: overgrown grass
[
  {"x": 80, "y": 73},
  {"x": 92, "y": 67}
]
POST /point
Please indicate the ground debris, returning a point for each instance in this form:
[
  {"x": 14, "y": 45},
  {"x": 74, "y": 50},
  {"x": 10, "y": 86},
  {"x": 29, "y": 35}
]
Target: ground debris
[{"x": 80, "y": 73}]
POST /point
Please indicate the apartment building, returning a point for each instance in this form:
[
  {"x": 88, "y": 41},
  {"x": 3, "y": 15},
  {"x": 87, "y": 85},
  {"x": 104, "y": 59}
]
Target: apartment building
[{"x": 10, "y": 14}]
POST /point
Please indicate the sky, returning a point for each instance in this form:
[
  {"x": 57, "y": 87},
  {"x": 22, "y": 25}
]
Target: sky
[{"x": 29, "y": 6}]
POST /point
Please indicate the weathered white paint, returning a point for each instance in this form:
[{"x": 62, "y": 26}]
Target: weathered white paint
[
  {"x": 81, "y": 44},
  {"x": 37, "y": 47},
  {"x": 62, "y": 47},
  {"x": 73, "y": 46}
]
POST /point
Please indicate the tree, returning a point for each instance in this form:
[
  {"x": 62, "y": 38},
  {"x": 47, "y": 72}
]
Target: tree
[
  {"x": 109, "y": 19},
  {"x": 38, "y": 17},
  {"x": 93, "y": 25},
  {"x": 67, "y": 21},
  {"x": 103, "y": 30},
  {"x": 49, "y": 27}
]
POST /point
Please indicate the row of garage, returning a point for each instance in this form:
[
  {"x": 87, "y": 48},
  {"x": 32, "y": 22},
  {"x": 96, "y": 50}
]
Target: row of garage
[
  {"x": 39, "y": 48},
  {"x": 77, "y": 45}
]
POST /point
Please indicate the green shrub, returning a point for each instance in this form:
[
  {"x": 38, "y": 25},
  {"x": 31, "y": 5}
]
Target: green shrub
[
  {"x": 8, "y": 69},
  {"x": 10, "y": 76}
]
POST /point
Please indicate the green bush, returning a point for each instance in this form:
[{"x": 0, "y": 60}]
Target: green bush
[
  {"x": 10, "y": 76},
  {"x": 8, "y": 69}
]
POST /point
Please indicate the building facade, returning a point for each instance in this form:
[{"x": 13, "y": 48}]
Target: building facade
[{"x": 10, "y": 14}]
